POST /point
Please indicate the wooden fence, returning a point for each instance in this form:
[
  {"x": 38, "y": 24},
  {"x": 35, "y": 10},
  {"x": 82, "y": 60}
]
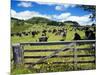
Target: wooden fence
[{"x": 18, "y": 52}]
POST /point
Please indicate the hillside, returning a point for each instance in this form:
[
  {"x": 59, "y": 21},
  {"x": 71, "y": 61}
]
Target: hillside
[
  {"x": 36, "y": 20},
  {"x": 18, "y": 25},
  {"x": 74, "y": 23}
]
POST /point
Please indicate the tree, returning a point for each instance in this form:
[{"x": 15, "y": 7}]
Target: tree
[
  {"x": 93, "y": 24},
  {"x": 89, "y": 8}
]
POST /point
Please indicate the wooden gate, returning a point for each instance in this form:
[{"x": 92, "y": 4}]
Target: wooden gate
[{"x": 18, "y": 52}]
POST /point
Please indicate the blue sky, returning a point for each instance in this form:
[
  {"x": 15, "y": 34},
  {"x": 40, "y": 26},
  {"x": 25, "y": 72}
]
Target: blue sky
[{"x": 53, "y": 11}]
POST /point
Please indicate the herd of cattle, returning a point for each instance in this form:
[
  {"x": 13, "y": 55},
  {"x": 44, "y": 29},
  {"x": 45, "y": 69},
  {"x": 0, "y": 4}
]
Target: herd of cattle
[{"x": 89, "y": 34}]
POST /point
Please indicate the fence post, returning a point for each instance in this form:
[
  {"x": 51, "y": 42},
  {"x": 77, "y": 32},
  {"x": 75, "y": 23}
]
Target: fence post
[
  {"x": 17, "y": 55},
  {"x": 94, "y": 49},
  {"x": 75, "y": 55}
]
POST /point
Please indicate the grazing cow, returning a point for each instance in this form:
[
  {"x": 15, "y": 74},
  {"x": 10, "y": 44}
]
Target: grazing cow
[
  {"x": 54, "y": 30},
  {"x": 49, "y": 31},
  {"x": 91, "y": 35},
  {"x": 19, "y": 34},
  {"x": 25, "y": 33},
  {"x": 58, "y": 32},
  {"x": 43, "y": 38},
  {"x": 33, "y": 33},
  {"x": 87, "y": 31},
  {"x": 62, "y": 40},
  {"x": 63, "y": 34},
  {"x": 44, "y": 31},
  {"x": 28, "y": 32},
  {"x": 77, "y": 36}
]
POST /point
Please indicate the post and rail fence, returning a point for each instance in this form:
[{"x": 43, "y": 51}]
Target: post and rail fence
[{"x": 18, "y": 52}]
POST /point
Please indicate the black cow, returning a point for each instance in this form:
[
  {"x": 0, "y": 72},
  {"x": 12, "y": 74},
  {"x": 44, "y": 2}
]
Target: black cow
[
  {"x": 43, "y": 38},
  {"x": 19, "y": 34},
  {"x": 91, "y": 35},
  {"x": 49, "y": 31},
  {"x": 54, "y": 30},
  {"x": 87, "y": 32},
  {"x": 63, "y": 34},
  {"x": 44, "y": 31},
  {"x": 25, "y": 33},
  {"x": 77, "y": 36},
  {"x": 33, "y": 33}
]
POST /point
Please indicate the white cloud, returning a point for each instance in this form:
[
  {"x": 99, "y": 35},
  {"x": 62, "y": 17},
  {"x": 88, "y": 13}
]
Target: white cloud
[
  {"x": 69, "y": 5},
  {"x": 40, "y": 2},
  {"x": 25, "y": 4},
  {"x": 23, "y": 14},
  {"x": 45, "y": 3},
  {"x": 27, "y": 14},
  {"x": 13, "y": 13},
  {"x": 61, "y": 17},
  {"x": 61, "y": 7},
  {"x": 82, "y": 20},
  {"x": 58, "y": 6}
]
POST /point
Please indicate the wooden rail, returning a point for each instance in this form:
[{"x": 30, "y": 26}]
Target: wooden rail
[
  {"x": 18, "y": 52},
  {"x": 58, "y": 56},
  {"x": 58, "y": 42},
  {"x": 53, "y": 50},
  {"x": 79, "y": 62}
]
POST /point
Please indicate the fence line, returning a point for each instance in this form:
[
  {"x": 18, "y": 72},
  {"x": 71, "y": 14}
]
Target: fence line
[
  {"x": 57, "y": 42},
  {"x": 52, "y": 50},
  {"x": 78, "y": 62},
  {"x": 18, "y": 52},
  {"x": 59, "y": 56}
]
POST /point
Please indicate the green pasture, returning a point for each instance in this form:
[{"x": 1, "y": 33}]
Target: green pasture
[
  {"x": 51, "y": 36},
  {"x": 39, "y": 68}
]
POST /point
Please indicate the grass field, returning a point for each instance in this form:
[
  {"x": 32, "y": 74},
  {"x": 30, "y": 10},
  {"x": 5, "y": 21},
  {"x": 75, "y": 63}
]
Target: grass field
[
  {"x": 52, "y": 37},
  {"x": 39, "y": 68}
]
